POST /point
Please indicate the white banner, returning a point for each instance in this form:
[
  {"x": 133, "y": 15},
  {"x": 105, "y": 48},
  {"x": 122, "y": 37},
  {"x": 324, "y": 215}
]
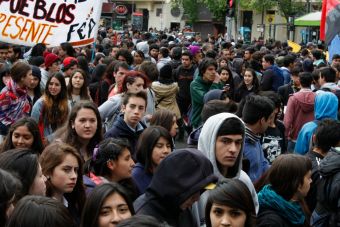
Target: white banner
[{"x": 28, "y": 22}]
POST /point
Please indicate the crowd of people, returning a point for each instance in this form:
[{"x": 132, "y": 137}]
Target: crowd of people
[{"x": 93, "y": 136}]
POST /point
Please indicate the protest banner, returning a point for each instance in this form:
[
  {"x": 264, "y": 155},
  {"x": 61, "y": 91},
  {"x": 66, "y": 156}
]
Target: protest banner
[
  {"x": 28, "y": 22},
  {"x": 330, "y": 26}
]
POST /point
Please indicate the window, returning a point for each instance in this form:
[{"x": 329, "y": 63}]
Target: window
[{"x": 158, "y": 12}]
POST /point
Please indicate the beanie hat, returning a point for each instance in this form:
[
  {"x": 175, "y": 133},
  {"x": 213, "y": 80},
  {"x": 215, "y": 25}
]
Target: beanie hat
[
  {"x": 69, "y": 62},
  {"x": 194, "y": 49},
  {"x": 36, "y": 71},
  {"x": 50, "y": 59}
]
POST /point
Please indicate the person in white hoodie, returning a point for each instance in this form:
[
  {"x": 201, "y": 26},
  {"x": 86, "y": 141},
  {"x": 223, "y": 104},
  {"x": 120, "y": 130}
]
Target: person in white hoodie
[{"x": 221, "y": 141}]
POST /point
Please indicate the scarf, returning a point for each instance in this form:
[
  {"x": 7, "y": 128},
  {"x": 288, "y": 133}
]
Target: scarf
[
  {"x": 291, "y": 211},
  {"x": 13, "y": 103}
]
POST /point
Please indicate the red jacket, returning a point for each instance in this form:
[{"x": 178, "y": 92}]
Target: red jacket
[{"x": 300, "y": 110}]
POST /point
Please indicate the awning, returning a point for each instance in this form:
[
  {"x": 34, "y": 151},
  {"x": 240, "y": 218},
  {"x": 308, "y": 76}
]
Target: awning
[{"x": 311, "y": 19}]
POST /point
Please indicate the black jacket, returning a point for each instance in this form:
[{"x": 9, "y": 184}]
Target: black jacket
[
  {"x": 285, "y": 91},
  {"x": 242, "y": 92},
  {"x": 184, "y": 77},
  {"x": 329, "y": 187},
  {"x": 179, "y": 176},
  {"x": 271, "y": 218},
  {"x": 121, "y": 130}
]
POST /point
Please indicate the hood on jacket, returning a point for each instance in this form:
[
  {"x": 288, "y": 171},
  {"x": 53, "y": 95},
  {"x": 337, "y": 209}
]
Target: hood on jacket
[
  {"x": 164, "y": 89},
  {"x": 192, "y": 140},
  {"x": 180, "y": 175},
  {"x": 207, "y": 142},
  {"x": 237, "y": 65},
  {"x": 305, "y": 100},
  {"x": 330, "y": 165},
  {"x": 326, "y": 105}
]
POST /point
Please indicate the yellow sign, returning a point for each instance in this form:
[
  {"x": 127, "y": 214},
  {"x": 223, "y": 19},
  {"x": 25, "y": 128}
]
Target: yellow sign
[
  {"x": 270, "y": 18},
  {"x": 296, "y": 47}
]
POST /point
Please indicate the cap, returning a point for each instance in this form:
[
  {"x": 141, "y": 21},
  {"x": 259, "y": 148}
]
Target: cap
[
  {"x": 50, "y": 58},
  {"x": 69, "y": 61}
]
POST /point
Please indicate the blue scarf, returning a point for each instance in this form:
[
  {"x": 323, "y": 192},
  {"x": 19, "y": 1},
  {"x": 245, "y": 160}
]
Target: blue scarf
[{"x": 291, "y": 211}]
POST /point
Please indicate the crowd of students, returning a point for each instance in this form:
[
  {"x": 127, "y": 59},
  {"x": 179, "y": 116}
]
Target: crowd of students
[{"x": 89, "y": 134}]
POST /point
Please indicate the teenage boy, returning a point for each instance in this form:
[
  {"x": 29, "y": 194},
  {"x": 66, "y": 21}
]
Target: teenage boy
[
  {"x": 327, "y": 210},
  {"x": 257, "y": 114},
  {"x": 129, "y": 124},
  {"x": 207, "y": 79},
  {"x": 221, "y": 141},
  {"x": 327, "y": 135},
  {"x": 272, "y": 77},
  {"x": 300, "y": 109}
]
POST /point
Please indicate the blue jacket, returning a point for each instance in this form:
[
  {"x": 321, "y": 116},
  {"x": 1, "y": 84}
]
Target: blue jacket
[
  {"x": 121, "y": 130},
  {"x": 252, "y": 150},
  {"x": 326, "y": 106},
  {"x": 286, "y": 75},
  {"x": 140, "y": 177},
  {"x": 272, "y": 79}
]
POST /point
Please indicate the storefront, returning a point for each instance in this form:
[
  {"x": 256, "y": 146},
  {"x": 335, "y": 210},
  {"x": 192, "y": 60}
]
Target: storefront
[{"x": 117, "y": 15}]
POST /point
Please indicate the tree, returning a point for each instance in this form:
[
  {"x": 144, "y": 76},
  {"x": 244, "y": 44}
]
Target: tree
[
  {"x": 190, "y": 8},
  {"x": 216, "y": 7},
  {"x": 288, "y": 8}
]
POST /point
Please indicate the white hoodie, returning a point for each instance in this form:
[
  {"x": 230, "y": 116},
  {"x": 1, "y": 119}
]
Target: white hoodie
[{"x": 206, "y": 144}]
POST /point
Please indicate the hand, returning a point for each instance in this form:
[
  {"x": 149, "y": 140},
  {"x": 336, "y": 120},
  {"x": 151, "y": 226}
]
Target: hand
[{"x": 217, "y": 78}]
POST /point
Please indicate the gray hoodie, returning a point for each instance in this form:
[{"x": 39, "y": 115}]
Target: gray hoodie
[{"x": 206, "y": 144}]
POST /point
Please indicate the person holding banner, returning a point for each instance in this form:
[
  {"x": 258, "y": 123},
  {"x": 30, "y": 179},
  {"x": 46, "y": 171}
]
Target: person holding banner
[{"x": 13, "y": 98}]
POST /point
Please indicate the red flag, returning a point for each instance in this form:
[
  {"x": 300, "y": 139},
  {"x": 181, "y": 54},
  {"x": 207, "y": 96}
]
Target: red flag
[{"x": 330, "y": 20}]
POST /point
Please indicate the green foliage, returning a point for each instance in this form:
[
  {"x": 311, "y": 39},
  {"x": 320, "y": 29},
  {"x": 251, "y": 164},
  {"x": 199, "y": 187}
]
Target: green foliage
[
  {"x": 190, "y": 8},
  {"x": 290, "y": 7},
  {"x": 257, "y": 5},
  {"x": 217, "y": 8}
]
